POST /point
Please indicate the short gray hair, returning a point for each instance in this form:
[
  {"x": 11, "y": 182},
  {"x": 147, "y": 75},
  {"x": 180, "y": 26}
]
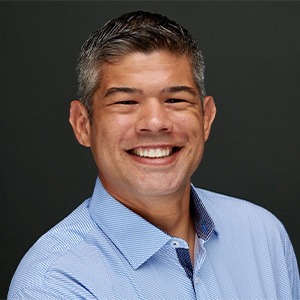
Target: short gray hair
[{"x": 134, "y": 32}]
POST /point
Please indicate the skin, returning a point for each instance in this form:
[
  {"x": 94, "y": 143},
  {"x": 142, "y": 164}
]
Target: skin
[{"x": 148, "y": 102}]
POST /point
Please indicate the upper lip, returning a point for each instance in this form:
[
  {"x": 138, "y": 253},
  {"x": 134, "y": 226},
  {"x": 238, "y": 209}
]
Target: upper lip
[
  {"x": 165, "y": 150},
  {"x": 154, "y": 146}
]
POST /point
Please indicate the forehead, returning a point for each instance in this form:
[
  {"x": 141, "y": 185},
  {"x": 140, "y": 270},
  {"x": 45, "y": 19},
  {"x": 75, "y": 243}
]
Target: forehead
[
  {"x": 155, "y": 68},
  {"x": 150, "y": 56}
]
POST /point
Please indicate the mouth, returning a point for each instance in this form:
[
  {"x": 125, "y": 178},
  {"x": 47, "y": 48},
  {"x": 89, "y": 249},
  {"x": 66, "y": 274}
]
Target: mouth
[{"x": 154, "y": 153}]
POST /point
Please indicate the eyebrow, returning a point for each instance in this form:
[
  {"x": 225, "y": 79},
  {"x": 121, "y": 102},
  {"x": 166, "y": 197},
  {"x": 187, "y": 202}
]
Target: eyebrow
[
  {"x": 180, "y": 88},
  {"x": 129, "y": 90}
]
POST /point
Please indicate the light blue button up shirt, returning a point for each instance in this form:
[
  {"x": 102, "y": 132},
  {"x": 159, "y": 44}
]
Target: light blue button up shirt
[{"x": 103, "y": 250}]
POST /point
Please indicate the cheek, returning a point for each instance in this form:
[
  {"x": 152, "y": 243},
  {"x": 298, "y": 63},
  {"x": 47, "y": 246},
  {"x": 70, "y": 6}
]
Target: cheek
[
  {"x": 192, "y": 126},
  {"x": 196, "y": 127},
  {"x": 110, "y": 131}
]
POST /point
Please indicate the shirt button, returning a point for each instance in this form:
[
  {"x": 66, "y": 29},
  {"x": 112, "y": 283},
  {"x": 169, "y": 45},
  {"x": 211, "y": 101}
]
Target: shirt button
[
  {"x": 196, "y": 280},
  {"x": 175, "y": 244}
]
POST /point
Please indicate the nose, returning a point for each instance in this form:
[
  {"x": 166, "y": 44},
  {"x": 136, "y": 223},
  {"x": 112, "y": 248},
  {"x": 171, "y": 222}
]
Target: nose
[{"x": 154, "y": 118}]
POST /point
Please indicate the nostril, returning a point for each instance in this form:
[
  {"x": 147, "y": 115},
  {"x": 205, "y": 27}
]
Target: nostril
[{"x": 154, "y": 120}]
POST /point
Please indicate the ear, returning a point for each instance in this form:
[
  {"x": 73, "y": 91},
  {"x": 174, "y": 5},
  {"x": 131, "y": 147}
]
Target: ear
[
  {"x": 79, "y": 119},
  {"x": 209, "y": 113}
]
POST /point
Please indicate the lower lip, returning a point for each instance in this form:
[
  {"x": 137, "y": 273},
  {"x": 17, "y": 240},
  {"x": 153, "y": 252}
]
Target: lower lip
[{"x": 163, "y": 161}]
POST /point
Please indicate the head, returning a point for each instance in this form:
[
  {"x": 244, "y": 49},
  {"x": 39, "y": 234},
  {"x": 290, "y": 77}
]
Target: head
[
  {"x": 138, "y": 31},
  {"x": 142, "y": 107}
]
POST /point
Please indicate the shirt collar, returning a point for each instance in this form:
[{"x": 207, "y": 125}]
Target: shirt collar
[
  {"x": 135, "y": 237},
  {"x": 204, "y": 224}
]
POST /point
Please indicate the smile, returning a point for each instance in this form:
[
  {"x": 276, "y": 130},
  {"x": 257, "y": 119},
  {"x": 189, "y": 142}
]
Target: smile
[{"x": 154, "y": 152}]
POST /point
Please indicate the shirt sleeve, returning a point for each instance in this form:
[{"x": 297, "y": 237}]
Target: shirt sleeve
[
  {"x": 34, "y": 293},
  {"x": 49, "y": 294},
  {"x": 292, "y": 268},
  {"x": 53, "y": 287}
]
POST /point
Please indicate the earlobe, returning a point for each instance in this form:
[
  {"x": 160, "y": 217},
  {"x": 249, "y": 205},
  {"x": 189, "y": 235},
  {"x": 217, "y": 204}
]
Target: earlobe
[
  {"x": 79, "y": 120},
  {"x": 209, "y": 113}
]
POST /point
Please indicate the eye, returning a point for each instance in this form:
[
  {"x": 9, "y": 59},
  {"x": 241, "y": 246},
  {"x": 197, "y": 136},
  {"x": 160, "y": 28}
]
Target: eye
[
  {"x": 174, "y": 100},
  {"x": 126, "y": 102}
]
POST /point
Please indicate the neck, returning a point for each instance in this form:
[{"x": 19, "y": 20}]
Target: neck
[{"x": 171, "y": 213}]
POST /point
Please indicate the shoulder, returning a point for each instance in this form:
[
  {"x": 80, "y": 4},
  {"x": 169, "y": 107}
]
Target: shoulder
[
  {"x": 246, "y": 230},
  {"x": 245, "y": 225},
  {"x": 53, "y": 246},
  {"x": 229, "y": 204},
  {"x": 240, "y": 214}
]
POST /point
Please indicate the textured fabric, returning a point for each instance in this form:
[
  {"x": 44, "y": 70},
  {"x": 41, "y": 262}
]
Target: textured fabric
[
  {"x": 185, "y": 260},
  {"x": 105, "y": 251}
]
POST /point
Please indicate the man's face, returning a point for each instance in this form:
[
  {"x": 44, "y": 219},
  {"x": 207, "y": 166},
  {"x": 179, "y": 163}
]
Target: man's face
[{"x": 148, "y": 129}]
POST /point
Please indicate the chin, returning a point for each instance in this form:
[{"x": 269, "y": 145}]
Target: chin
[{"x": 159, "y": 188}]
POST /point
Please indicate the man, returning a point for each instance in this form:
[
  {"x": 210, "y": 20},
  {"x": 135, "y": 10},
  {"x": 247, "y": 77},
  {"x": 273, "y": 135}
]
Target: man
[{"x": 146, "y": 232}]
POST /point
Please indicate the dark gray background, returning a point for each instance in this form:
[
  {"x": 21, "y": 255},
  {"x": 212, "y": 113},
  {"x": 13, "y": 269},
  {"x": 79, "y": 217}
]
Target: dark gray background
[{"x": 252, "y": 56}]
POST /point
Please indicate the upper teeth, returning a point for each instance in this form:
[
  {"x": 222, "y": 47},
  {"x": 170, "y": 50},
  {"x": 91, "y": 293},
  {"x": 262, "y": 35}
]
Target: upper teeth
[{"x": 152, "y": 152}]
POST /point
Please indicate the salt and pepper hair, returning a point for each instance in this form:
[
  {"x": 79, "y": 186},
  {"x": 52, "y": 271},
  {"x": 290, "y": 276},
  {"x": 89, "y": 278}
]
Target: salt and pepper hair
[{"x": 134, "y": 32}]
